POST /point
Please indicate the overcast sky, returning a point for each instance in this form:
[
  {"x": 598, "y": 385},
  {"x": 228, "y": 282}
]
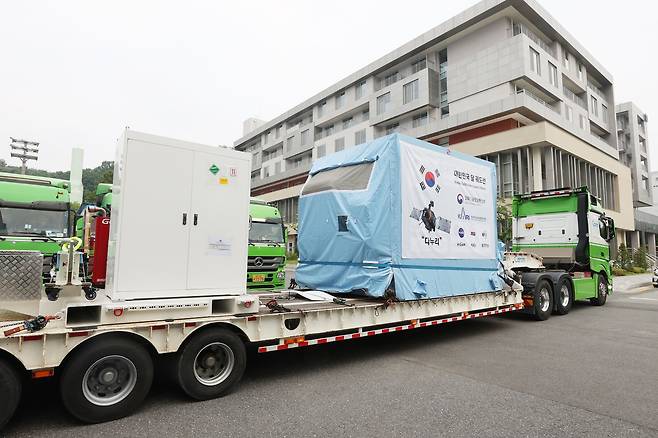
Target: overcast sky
[{"x": 75, "y": 73}]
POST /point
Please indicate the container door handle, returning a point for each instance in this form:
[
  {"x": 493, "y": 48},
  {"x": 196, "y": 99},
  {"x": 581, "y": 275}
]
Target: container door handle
[
  {"x": 196, "y": 217},
  {"x": 184, "y": 218}
]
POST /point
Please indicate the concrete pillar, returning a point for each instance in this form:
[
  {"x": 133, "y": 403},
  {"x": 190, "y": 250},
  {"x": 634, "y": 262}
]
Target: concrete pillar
[
  {"x": 536, "y": 169},
  {"x": 635, "y": 240},
  {"x": 651, "y": 244}
]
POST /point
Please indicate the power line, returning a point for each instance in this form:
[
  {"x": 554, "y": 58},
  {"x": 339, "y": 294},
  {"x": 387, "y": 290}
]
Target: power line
[{"x": 24, "y": 150}]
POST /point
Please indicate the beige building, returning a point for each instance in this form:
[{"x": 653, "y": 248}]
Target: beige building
[{"x": 503, "y": 80}]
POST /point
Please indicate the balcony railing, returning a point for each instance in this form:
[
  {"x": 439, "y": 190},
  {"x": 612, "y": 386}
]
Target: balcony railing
[
  {"x": 575, "y": 98},
  {"x": 520, "y": 28}
]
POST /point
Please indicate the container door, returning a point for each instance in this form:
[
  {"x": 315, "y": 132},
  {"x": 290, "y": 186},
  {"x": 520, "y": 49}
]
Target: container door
[
  {"x": 220, "y": 223},
  {"x": 152, "y": 253}
]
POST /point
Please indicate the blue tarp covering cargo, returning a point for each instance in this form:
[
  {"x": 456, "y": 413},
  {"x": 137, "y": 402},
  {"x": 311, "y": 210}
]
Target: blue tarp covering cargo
[{"x": 399, "y": 215}]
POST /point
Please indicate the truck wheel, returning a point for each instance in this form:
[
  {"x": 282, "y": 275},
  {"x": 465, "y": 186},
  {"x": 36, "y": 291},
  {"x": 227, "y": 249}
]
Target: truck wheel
[
  {"x": 106, "y": 380},
  {"x": 543, "y": 300},
  {"x": 211, "y": 363},
  {"x": 11, "y": 386},
  {"x": 601, "y": 291},
  {"x": 563, "y": 296}
]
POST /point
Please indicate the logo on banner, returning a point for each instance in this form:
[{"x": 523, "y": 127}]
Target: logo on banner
[
  {"x": 469, "y": 217},
  {"x": 460, "y": 199},
  {"x": 461, "y": 233},
  {"x": 430, "y": 179}
]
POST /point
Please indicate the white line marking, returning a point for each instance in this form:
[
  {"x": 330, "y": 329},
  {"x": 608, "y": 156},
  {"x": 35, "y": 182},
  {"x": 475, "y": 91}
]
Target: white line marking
[{"x": 644, "y": 298}]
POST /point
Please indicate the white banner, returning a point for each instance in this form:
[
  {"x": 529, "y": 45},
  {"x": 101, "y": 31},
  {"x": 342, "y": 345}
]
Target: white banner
[{"x": 447, "y": 206}]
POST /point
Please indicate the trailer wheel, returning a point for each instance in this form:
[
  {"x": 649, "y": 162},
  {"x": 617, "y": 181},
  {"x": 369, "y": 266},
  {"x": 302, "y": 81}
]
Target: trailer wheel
[
  {"x": 211, "y": 364},
  {"x": 543, "y": 300},
  {"x": 601, "y": 291},
  {"x": 11, "y": 386},
  {"x": 106, "y": 380},
  {"x": 563, "y": 296}
]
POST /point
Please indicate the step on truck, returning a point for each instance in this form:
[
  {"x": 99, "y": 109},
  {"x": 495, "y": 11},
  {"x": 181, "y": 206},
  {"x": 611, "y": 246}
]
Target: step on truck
[{"x": 184, "y": 303}]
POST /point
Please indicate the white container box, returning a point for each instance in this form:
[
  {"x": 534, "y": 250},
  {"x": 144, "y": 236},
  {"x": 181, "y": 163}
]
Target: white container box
[{"x": 180, "y": 219}]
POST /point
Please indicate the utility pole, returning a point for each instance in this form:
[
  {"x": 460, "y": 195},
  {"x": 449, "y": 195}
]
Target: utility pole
[{"x": 25, "y": 150}]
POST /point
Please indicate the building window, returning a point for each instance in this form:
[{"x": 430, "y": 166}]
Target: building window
[
  {"x": 595, "y": 106},
  {"x": 360, "y": 90},
  {"x": 328, "y": 130},
  {"x": 340, "y": 99},
  {"x": 360, "y": 137},
  {"x": 580, "y": 71},
  {"x": 320, "y": 151},
  {"x": 382, "y": 103},
  {"x": 290, "y": 143},
  {"x": 266, "y": 171},
  {"x": 569, "y": 113},
  {"x": 277, "y": 132},
  {"x": 582, "y": 121},
  {"x": 347, "y": 122},
  {"x": 393, "y": 127},
  {"x": 410, "y": 91},
  {"x": 552, "y": 74},
  {"x": 339, "y": 144},
  {"x": 604, "y": 114},
  {"x": 445, "y": 111},
  {"x": 321, "y": 108},
  {"x": 365, "y": 115},
  {"x": 304, "y": 138},
  {"x": 418, "y": 66},
  {"x": 419, "y": 120},
  {"x": 277, "y": 168},
  {"x": 534, "y": 61}
]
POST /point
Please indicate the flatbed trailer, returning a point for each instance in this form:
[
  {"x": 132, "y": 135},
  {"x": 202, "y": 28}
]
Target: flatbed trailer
[{"x": 209, "y": 351}]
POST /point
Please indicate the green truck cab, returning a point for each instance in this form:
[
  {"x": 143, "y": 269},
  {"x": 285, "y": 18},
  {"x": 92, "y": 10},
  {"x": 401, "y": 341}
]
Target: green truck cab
[
  {"x": 569, "y": 230},
  {"x": 266, "y": 259},
  {"x": 34, "y": 211},
  {"x": 104, "y": 196}
]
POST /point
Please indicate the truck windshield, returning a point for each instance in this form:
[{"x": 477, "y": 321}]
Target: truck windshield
[
  {"x": 31, "y": 222},
  {"x": 266, "y": 232}
]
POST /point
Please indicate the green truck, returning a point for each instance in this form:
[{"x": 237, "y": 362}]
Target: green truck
[
  {"x": 266, "y": 259},
  {"x": 104, "y": 196},
  {"x": 34, "y": 211},
  {"x": 567, "y": 231}
]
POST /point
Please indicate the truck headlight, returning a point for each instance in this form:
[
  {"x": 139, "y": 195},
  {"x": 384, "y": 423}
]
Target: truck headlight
[{"x": 281, "y": 275}]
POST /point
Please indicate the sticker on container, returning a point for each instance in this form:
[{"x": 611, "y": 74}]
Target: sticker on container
[
  {"x": 233, "y": 171},
  {"x": 223, "y": 181},
  {"x": 219, "y": 246}
]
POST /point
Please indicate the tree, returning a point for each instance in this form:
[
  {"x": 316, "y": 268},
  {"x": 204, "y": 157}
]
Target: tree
[
  {"x": 91, "y": 177},
  {"x": 504, "y": 217},
  {"x": 624, "y": 259},
  {"x": 640, "y": 258}
]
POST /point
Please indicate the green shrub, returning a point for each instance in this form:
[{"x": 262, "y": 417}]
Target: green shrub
[
  {"x": 640, "y": 258},
  {"x": 624, "y": 258},
  {"x": 638, "y": 270}
]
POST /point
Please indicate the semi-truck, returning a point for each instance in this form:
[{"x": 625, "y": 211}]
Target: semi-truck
[
  {"x": 185, "y": 304},
  {"x": 34, "y": 211},
  {"x": 266, "y": 257}
]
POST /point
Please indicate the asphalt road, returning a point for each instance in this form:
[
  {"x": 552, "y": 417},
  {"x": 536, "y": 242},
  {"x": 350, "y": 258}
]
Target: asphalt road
[{"x": 593, "y": 372}]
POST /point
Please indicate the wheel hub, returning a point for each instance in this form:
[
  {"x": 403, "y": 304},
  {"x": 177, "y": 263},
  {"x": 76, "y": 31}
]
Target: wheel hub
[
  {"x": 109, "y": 380},
  {"x": 214, "y": 363}
]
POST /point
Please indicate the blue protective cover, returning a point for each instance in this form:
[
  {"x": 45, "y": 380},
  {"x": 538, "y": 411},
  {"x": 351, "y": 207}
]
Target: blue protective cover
[{"x": 368, "y": 258}]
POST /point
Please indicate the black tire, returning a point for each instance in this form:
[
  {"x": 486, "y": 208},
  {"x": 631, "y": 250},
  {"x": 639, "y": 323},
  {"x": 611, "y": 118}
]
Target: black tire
[
  {"x": 601, "y": 291},
  {"x": 211, "y": 363},
  {"x": 564, "y": 296},
  {"x": 543, "y": 299},
  {"x": 125, "y": 364},
  {"x": 11, "y": 387}
]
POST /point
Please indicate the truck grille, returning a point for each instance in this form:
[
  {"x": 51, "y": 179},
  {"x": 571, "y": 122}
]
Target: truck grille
[{"x": 262, "y": 264}]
